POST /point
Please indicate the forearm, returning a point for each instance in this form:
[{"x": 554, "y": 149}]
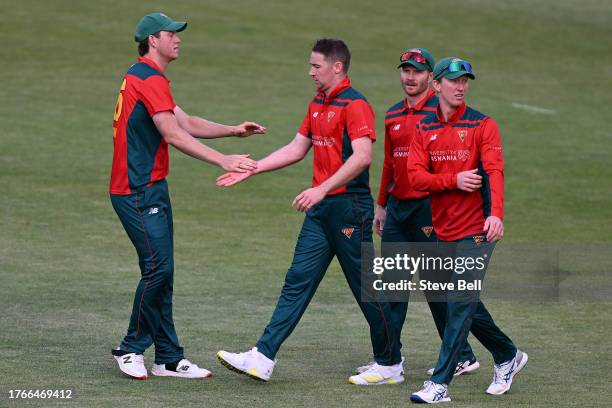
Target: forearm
[
  {"x": 206, "y": 129},
  {"x": 385, "y": 181},
  {"x": 422, "y": 180},
  {"x": 190, "y": 146}
]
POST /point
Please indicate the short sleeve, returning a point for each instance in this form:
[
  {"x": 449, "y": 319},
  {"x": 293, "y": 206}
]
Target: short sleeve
[
  {"x": 360, "y": 120},
  {"x": 305, "y": 126},
  {"x": 156, "y": 95}
]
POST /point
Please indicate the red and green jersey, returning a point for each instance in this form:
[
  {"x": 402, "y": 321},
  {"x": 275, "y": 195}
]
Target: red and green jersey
[
  {"x": 400, "y": 127},
  {"x": 140, "y": 153},
  {"x": 332, "y": 123},
  {"x": 439, "y": 151}
]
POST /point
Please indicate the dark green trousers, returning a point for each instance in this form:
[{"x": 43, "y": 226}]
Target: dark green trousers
[
  {"x": 409, "y": 221},
  {"x": 465, "y": 312},
  {"x": 337, "y": 226},
  {"x": 146, "y": 216}
]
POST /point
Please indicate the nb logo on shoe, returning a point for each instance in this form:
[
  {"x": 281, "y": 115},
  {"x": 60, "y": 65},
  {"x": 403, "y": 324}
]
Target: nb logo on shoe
[
  {"x": 153, "y": 210},
  {"x": 184, "y": 368},
  {"x": 127, "y": 359}
]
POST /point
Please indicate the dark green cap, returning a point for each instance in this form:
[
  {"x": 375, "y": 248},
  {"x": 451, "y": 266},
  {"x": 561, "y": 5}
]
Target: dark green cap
[
  {"x": 154, "y": 23},
  {"x": 452, "y": 68},
  {"x": 419, "y": 58}
]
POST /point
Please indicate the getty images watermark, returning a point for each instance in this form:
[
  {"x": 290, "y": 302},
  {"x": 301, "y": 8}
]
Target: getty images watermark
[{"x": 468, "y": 270}]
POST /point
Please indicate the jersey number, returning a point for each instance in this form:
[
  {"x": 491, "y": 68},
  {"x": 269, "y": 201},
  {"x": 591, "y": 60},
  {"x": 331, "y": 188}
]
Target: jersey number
[{"x": 118, "y": 108}]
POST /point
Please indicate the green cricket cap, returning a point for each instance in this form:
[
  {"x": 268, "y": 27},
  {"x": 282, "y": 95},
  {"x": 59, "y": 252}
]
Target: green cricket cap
[
  {"x": 419, "y": 58},
  {"x": 452, "y": 68},
  {"x": 154, "y": 23}
]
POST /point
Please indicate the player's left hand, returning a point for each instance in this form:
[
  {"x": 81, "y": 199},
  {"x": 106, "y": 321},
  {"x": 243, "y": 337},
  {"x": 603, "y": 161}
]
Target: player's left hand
[
  {"x": 308, "y": 198},
  {"x": 248, "y": 128},
  {"x": 494, "y": 227}
]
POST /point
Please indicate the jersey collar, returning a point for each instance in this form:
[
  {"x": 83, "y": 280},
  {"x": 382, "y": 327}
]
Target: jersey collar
[
  {"x": 456, "y": 116},
  {"x": 419, "y": 106},
  {"x": 150, "y": 63},
  {"x": 345, "y": 84}
]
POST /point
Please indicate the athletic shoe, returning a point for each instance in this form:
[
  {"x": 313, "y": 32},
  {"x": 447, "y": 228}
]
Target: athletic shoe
[
  {"x": 505, "y": 372},
  {"x": 253, "y": 364},
  {"x": 463, "y": 367},
  {"x": 182, "y": 369},
  {"x": 131, "y": 364},
  {"x": 364, "y": 368},
  {"x": 431, "y": 393},
  {"x": 378, "y": 375}
]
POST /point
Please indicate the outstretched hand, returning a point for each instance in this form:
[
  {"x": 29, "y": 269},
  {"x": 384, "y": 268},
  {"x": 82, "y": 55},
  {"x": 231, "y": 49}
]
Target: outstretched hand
[
  {"x": 249, "y": 128},
  {"x": 231, "y": 178},
  {"x": 239, "y": 163}
]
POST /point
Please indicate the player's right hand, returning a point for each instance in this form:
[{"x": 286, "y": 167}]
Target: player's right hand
[
  {"x": 380, "y": 215},
  {"x": 469, "y": 180},
  {"x": 239, "y": 163},
  {"x": 229, "y": 179}
]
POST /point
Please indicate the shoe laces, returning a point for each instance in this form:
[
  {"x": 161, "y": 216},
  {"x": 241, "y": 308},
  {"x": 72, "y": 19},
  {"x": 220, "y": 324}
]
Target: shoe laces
[
  {"x": 429, "y": 386},
  {"x": 500, "y": 371}
]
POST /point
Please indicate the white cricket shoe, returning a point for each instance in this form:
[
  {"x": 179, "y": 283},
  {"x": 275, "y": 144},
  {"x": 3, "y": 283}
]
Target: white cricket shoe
[
  {"x": 184, "y": 369},
  {"x": 505, "y": 372},
  {"x": 431, "y": 393},
  {"x": 364, "y": 368},
  {"x": 131, "y": 364},
  {"x": 463, "y": 367},
  {"x": 378, "y": 375},
  {"x": 252, "y": 363}
]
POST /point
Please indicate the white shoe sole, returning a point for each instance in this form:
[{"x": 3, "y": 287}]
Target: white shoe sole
[
  {"x": 419, "y": 400},
  {"x": 359, "y": 381},
  {"x": 251, "y": 373},
  {"x": 518, "y": 369},
  {"x": 169, "y": 373},
  {"x": 131, "y": 374}
]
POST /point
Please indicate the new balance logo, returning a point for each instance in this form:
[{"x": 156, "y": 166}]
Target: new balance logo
[
  {"x": 127, "y": 359},
  {"x": 433, "y": 137},
  {"x": 153, "y": 210},
  {"x": 184, "y": 368}
]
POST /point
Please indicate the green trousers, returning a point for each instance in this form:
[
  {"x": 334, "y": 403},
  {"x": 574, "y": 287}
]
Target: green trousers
[
  {"x": 409, "y": 221},
  {"x": 337, "y": 226},
  {"x": 146, "y": 216},
  {"x": 466, "y": 313}
]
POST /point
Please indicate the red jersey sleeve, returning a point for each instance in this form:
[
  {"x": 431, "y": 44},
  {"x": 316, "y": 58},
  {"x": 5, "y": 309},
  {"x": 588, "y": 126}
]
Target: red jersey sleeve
[
  {"x": 387, "y": 170},
  {"x": 419, "y": 165},
  {"x": 360, "y": 120},
  {"x": 305, "y": 126},
  {"x": 492, "y": 159},
  {"x": 156, "y": 96}
]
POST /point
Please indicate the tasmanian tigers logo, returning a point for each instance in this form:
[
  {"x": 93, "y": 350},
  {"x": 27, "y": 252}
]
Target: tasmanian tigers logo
[{"x": 348, "y": 232}]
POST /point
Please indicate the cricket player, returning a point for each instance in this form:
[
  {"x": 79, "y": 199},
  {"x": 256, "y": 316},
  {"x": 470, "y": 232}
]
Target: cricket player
[
  {"x": 339, "y": 127},
  {"x": 457, "y": 157},
  {"x": 403, "y": 214},
  {"x": 146, "y": 121}
]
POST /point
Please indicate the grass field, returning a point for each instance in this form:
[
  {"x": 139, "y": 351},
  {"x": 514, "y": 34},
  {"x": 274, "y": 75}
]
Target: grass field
[{"x": 68, "y": 271}]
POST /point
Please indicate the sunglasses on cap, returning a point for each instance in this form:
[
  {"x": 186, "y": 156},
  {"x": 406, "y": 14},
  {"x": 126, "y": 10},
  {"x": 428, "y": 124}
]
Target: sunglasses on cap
[
  {"x": 460, "y": 65},
  {"x": 415, "y": 55}
]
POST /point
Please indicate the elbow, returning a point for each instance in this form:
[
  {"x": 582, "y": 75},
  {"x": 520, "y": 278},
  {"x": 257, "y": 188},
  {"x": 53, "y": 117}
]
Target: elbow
[{"x": 364, "y": 160}]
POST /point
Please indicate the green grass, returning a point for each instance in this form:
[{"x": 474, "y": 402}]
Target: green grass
[{"x": 68, "y": 271}]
